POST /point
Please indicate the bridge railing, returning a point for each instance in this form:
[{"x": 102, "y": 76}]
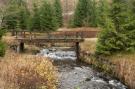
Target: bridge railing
[{"x": 48, "y": 35}]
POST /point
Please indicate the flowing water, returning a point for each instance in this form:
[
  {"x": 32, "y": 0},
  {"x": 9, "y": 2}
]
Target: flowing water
[{"x": 73, "y": 75}]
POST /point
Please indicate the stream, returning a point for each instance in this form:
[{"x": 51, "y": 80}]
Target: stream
[{"x": 73, "y": 75}]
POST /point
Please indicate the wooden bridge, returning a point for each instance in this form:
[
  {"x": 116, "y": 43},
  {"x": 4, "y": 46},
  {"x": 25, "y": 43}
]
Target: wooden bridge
[{"x": 27, "y": 37}]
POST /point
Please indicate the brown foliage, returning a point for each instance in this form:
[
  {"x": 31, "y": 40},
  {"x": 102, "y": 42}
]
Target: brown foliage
[{"x": 18, "y": 72}]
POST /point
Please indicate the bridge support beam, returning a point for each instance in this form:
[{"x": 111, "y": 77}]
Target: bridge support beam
[
  {"x": 20, "y": 47},
  {"x": 77, "y": 51}
]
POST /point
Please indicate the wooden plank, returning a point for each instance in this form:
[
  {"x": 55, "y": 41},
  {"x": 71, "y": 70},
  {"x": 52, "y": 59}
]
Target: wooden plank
[{"x": 42, "y": 40}]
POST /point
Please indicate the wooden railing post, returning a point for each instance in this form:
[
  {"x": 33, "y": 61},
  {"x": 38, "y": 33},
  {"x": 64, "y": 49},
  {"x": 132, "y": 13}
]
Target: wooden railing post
[
  {"x": 24, "y": 34},
  {"x": 77, "y": 51},
  {"x": 30, "y": 35},
  {"x": 16, "y": 34}
]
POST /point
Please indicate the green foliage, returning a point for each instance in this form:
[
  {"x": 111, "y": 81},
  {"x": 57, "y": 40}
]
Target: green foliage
[
  {"x": 107, "y": 39},
  {"x": 48, "y": 19},
  {"x": 118, "y": 34},
  {"x": 2, "y": 32},
  {"x": 58, "y": 12},
  {"x": 119, "y": 13},
  {"x": 2, "y": 49},
  {"x": 93, "y": 21},
  {"x": 35, "y": 20},
  {"x": 85, "y": 14},
  {"x": 10, "y": 20},
  {"x": 23, "y": 17},
  {"x": 133, "y": 5},
  {"x": 103, "y": 12},
  {"x": 16, "y": 12},
  {"x": 2, "y": 45}
]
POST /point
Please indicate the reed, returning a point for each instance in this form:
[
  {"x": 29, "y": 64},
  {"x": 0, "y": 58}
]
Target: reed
[{"x": 125, "y": 68}]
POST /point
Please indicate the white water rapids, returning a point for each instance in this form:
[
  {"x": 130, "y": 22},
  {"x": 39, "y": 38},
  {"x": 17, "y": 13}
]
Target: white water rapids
[{"x": 58, "y": 54}]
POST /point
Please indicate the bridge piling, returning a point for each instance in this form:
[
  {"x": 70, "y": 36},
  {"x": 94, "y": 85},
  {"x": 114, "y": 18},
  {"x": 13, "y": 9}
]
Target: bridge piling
[
  {"x": 77, "y": 51},
  {"x": 20, "y": 47}
]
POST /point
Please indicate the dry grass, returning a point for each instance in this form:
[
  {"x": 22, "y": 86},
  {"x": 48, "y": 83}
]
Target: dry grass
[
  {"x": 89, "y": 45},
  {"x": 125, "y": 68},
  {"x": 8, "y": 39},
  {"x": 27, "y": 72}
]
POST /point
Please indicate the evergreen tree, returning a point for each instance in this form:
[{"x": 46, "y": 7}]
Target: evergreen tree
[
  {"x": 16, "y": 11},
  {"x": 93, "y": 13},
  {"x": 103, "y": 12},
  {"x": 124, "y": 23},
  {"x": 48, "y": 19},
  {"x": 107, "y": 39},
  {"x": 10, "y": 19},
  {"x": 58, "y": 12},
  {"x": 119, "y": 13},
  {"x": 130, "y": 27},
  {"x": 80, "y": 13},
  {"x": 85, "y": 13},
  {"x": 23, "y": 17},
  {"x": 122, "y": 34},
  {"x": 35, "y": 18},
  {"x": 132, "y": 6}
]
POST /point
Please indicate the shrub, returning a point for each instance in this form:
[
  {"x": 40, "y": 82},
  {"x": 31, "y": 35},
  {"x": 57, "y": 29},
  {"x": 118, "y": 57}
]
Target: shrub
[
  {"x": 18, "y": 72},
  {"x": 2, "y": 49},
  {"x": 2, "y": 31}
]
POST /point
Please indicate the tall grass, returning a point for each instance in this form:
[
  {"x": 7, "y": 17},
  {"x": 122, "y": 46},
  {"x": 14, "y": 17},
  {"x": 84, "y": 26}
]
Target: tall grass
[
  {"x": 27, "y": 72},
  {"x": 89, "y": 45},
  {"x": 125, "y": 68}
]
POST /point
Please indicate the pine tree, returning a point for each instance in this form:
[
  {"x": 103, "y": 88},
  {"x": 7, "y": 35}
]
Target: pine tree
[
  {"x": 48, "y": 19},
  {"x": 124, "y": 23},
  {"x": 23, "y": 17},
  {"x": 103, "y": 12},
  {"x": 10, "y": 19},
  {"x": 80, "y": 13},
  {"x": 132, "y": 6},
  {"x": 119, "y": 38},
  {"x": 130, "y": 27},
  {"x": 36, "y": 18},
  {"x": 85, "y": 13},
  {"x": 58, "y": 12},
  {"x": 92, "y": 14},
  {"x": 107, "y": 39},
  {"x": 119, "y": 13},
  {"x": 16, "y": 11}
]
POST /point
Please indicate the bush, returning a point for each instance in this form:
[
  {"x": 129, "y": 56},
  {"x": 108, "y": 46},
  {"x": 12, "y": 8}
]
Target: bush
[
  {"x": 2, "y": 49},
  {"x": 18, "y": 72},
  {"x": 2, "y": 31}
]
